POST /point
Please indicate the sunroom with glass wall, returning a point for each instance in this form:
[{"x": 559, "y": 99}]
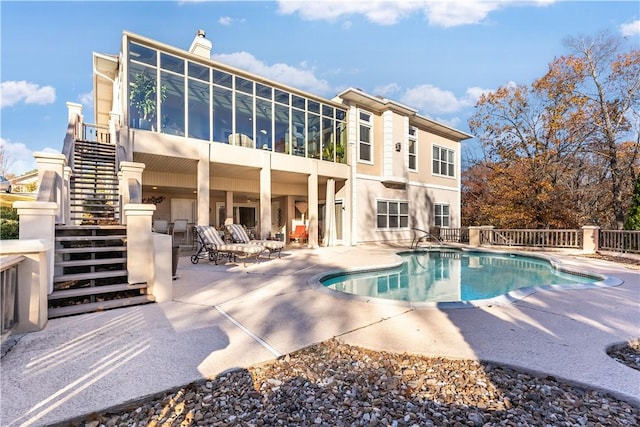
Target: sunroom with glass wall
[{"x": 183, "y": 97}]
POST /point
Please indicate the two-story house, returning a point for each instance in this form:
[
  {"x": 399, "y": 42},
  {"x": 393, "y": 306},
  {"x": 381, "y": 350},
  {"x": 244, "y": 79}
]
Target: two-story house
[{"x": 220, "y": 144}]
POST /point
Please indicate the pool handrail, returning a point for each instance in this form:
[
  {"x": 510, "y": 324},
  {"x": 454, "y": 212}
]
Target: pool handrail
[{"x": 416, "y": 240}]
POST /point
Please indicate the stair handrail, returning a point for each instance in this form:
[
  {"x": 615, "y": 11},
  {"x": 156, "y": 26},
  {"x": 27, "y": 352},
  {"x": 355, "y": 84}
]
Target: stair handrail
[
  {"x": 50, "y": 185},
  {"x": 68, "y": 146},
  {"x": 425, "y": 234}
]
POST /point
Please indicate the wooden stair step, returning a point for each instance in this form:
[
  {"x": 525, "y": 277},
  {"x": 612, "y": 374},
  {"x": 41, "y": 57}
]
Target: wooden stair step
[
  {"x": 94, "y": 290},
  {"x": 93, "y": 249},
  {"x": 89, "y": 238},
  {"x": 90, "y": 262},
  {"x": 90, "y": 276},
  {"x": 99, "y": 306}
]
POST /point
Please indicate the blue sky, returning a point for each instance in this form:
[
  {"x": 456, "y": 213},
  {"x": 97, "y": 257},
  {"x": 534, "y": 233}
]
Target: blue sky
[{"x": 437, "y": 57}]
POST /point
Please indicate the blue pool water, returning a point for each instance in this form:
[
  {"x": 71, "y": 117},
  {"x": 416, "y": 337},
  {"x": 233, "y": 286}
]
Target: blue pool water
[{"x": 452, "y": 276}]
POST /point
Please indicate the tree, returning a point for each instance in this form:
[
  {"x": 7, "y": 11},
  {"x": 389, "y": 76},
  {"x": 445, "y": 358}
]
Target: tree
[
  {"x": 633, "y": 216},
  {"x": 559, "y": 153}
]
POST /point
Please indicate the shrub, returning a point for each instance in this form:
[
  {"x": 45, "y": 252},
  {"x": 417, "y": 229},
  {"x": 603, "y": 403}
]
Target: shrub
[{"x": 9, "y": 225}]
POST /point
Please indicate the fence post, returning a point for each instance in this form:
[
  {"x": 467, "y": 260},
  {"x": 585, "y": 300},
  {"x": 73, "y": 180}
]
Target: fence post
[
  {"x": 590, "y": 234},
  {"x": 474, "y": 236}
]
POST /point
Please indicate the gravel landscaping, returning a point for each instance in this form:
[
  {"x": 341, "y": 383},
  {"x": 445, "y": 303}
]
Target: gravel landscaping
[{"x": 334, "y": 384}]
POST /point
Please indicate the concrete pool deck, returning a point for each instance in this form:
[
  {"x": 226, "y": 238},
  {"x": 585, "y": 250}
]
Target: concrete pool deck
[{"x": 225, "y": 317}]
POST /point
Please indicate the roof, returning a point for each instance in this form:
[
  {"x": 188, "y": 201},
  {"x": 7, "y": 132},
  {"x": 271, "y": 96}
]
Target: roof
[{"x": 379, "y": 104}]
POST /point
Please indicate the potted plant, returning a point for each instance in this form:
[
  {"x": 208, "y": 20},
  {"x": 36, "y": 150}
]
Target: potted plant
[{"x": 143, "y": 98}]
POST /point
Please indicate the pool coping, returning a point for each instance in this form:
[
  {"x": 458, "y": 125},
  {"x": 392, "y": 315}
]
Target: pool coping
[{"x": 315, "y": 282}]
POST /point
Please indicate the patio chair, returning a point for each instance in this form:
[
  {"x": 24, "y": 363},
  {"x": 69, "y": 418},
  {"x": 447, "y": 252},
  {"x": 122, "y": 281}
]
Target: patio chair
[
  {"x": 300, "y": 234},
  {"x": 239, "y": 235},
  {"x": 212, "y": 246},
  {"x": 161, "y": 226},
  {"x": 181, "y": 226}
]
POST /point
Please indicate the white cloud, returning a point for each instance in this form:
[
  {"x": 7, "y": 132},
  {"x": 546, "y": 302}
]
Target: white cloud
[
  {"x": 388, "y": 91},
  {"x": 630, "y": 29},
  {"x": 13, "y": 92},
  {"x": 20, "y": 157},
  {"x": 444, "y": 13},
  {"x": 86, "y": 99},
  {"x": 225, "y": 20},
  {"x": 302, "y": 77},
  {"x": 432, "y": 100}
]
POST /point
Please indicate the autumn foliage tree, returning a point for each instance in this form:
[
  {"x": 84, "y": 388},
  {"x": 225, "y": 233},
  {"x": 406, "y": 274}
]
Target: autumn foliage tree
[{"x": 562, "y": 152}]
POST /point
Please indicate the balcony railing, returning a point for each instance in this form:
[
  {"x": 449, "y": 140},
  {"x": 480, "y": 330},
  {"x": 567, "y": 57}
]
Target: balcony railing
[
  {"x": 9, "y": 294},
  {"x": 532, "y": 238},
  {"x": 625, "y": 241},
  {"x": 96, "y": 133}
]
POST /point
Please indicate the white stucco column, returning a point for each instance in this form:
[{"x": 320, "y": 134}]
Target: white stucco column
[
  {"x": 312, "y": 200},
  {"x": 228, "y": 207},
  {"x": 203, "y": 186},
  {"x": 140, "y": 249},
  {"x": 54, "y": 162},
  {"x": 265, "y": 196}
]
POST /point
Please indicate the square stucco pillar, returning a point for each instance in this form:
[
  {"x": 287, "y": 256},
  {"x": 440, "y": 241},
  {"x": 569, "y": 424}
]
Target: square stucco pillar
[
  {"x": 590, "y": 235},
  {"x": 203, "y": 186},
  {"x": 474, "y": 236},
  {"x": 265, "y": 196},
  {"x": 140, "y": 249},
  {"x": 37, "y": 221},
  {"x": 312, "y": 191}
]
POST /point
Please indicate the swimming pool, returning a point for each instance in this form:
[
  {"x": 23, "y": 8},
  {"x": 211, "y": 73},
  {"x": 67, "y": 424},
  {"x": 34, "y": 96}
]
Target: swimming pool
[{"x": 457, "y": 276}]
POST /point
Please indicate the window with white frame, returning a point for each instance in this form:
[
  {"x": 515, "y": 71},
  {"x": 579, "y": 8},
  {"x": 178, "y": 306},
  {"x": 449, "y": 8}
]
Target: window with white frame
[
  {"x": 443, "y": 161},
  {"x": 413, "y": 148},
  {"x": 365, "y": 137},
  {"x": 392, "y": 214},
  {"x": 441, "y": 215}
]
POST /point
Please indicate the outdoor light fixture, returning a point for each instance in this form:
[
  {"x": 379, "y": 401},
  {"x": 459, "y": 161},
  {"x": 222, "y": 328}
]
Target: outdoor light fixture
[{"x": 398, "y": 146}]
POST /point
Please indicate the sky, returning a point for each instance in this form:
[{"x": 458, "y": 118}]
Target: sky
[{"x": 435, "y": 56}]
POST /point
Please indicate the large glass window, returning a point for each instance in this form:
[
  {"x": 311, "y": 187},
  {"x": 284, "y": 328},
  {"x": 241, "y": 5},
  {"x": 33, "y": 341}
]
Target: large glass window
[
  {"x": 264, "y": 133},
  {"x": 143, "y": 93},
  {"x": 298, "y": 129},
  {"x": 198, "y": 109},
  {"x": 392, "y": 214},
  {"x": 441, "y": 215},
  {"x": 313, "y": 135},
  {"x": 244, "y": 121},
  {"x": 143, "y": 54},
  {"x": 172, "y": 108},
  {"x": 222, "y": 114},
  {"x": 282, "y": 140},
  {"x": 341, "y": 142},
  {"x": 328, "y": 143},
  {"x": 443, "y": 161},
  {"x": 365, "y": 137}
]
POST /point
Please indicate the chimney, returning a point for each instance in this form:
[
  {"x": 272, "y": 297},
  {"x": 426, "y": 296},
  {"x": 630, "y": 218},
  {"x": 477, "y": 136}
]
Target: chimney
[{"x": 200, "y": 45}]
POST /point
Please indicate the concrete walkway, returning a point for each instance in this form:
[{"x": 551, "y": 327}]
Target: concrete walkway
[{"x": 226, "y": 317}]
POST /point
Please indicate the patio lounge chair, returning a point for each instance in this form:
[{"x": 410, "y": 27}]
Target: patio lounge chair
[
  {"x": 212, "y": 245},
  {"x": 239, "y": 235},
  {"x": 300, "y": 234}
]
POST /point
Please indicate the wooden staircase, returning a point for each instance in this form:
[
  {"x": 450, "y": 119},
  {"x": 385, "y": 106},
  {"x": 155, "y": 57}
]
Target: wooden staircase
[{"x": 91, "y": 256}]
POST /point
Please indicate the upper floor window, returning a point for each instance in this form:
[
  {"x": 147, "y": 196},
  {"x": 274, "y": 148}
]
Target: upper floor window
[
  {"x": 441, "y": 215},
  {"x": 413, "y": 149},
  {"x": 443, "y": 161},
  {"x": 365, "y": 137},
  {"x": 392, "y": 214}
]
